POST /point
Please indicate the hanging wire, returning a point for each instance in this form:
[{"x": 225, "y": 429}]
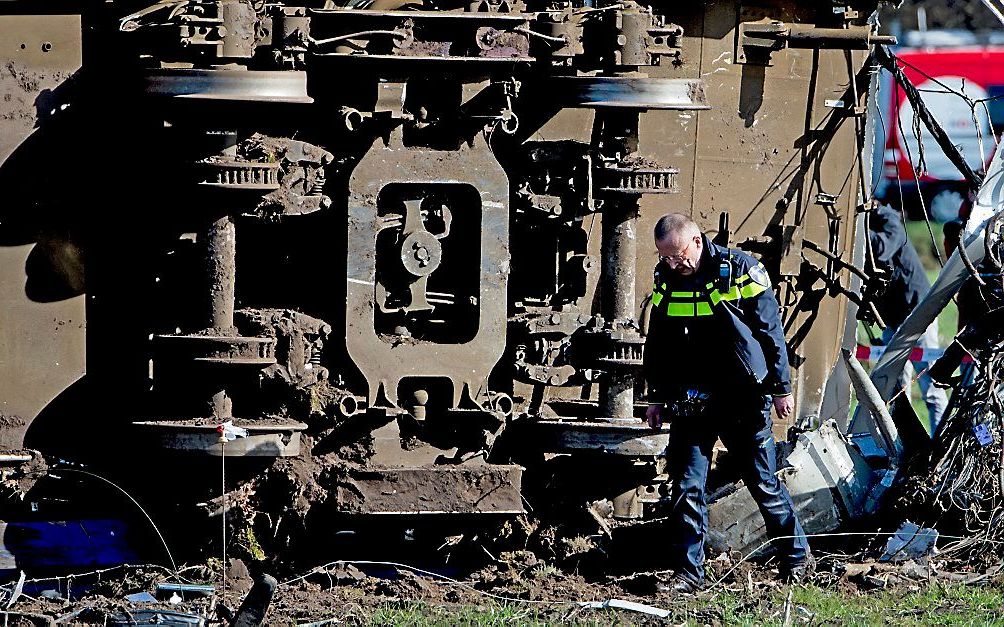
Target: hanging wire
[
  {"x": 163, "y": 542},
  {"x": 916, "y": 169}
]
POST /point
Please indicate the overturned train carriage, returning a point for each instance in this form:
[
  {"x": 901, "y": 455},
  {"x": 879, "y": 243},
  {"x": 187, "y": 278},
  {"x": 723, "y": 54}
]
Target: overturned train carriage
[{"x": 405, "y": 245}]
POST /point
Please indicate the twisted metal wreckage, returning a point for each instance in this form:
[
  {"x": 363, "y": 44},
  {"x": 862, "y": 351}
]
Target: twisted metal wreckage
[{"x": 397, "y": 243}]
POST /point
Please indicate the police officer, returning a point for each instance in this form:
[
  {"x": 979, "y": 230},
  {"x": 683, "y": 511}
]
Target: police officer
[
  {"x": 715, "y": 364},
  {"x": 895, "y": 256}
]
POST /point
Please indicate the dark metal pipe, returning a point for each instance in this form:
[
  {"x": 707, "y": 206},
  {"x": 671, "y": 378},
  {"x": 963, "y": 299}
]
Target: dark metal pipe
[
  {"x": 619, "y": 138},
  {"x": 221, "y": 259},
  {"x": 620, "y": 247}
]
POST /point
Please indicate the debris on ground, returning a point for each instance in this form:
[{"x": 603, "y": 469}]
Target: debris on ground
[
  {"x": 19, "y": 471},
  {"x": 910, "y": 543},
  {"x": 631, "y": 606},
  {"x": 355, "y": 592}
]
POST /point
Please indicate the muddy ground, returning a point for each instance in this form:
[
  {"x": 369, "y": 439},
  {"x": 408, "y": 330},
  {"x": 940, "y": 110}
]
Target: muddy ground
[{"x": 532, "y": 590}]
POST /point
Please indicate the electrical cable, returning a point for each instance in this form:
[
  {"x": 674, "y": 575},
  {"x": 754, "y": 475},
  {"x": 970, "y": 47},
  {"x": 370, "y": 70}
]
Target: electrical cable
[{"x": 163, "y": 542}]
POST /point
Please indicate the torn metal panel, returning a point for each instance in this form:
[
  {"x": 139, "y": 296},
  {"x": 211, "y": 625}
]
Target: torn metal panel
[
  {"x": 829, "y": 481},
  {"x": 911, "y": 542},
  {"x": 486, "y": 489},
  {"x": 826, "y": 457}
]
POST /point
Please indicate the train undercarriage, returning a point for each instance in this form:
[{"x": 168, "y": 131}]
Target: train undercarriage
[{"x": 402, "y": 248}]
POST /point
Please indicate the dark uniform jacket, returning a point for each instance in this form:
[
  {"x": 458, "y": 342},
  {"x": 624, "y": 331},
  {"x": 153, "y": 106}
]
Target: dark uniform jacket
[
  {"x": 894, "y": 253},
  {"x": 714, "y": 340}
]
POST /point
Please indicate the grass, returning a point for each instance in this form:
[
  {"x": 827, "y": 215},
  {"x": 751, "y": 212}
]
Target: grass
[
  {"x": 924, "y": 604},
  {"x": 494, "y": 614},
  {"x": 936, "y": 604}
]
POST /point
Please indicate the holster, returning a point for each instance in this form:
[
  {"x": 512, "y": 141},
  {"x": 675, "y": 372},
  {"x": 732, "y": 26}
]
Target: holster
[{"x": 692, "y": 402}]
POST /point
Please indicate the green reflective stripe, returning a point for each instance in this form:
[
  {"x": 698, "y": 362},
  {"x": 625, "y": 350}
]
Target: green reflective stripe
[
  {"x": 751, "y": 290},
  {"x": 689, "y": 310},
  {"x": 733, "y": 294},
  {"x": 703, "y": 303}
]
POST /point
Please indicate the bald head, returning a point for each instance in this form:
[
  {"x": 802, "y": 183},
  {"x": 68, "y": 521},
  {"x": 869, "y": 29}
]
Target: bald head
[
  {"x": 675, "y": 225},
  {"x": 678, "y": 239}
]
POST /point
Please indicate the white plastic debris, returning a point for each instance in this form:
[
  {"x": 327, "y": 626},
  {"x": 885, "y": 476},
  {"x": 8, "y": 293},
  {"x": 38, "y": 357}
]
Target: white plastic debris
[
  {"x": 228, "y": 432},
  {"x": 631, "y": 606},
  {"x": 15, "y": 593}
]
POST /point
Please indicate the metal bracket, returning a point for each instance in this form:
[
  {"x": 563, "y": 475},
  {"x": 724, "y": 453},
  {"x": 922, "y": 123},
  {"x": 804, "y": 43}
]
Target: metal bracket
[{"x": 758, "y": 40}]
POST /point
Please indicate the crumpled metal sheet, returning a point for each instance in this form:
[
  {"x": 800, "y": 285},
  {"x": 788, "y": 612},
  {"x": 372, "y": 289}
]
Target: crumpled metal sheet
[
  {"x": 911, "y": 542},
  {"x": 829, "y": 482}
]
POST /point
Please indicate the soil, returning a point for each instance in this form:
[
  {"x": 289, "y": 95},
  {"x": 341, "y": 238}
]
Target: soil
[
  {"x": 345, "y": 592},
  {"x": 18, "y": 479},
  {"x": 11, "y": 432}
]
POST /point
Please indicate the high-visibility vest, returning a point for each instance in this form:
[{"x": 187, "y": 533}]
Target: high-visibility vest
[{"x": 703, "y": 302}]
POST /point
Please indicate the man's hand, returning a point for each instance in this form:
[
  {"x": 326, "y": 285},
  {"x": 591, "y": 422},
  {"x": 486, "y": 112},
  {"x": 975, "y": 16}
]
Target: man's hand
[
  {"x": 654, "y": 416},
  {"x": 783, "y": 405}
]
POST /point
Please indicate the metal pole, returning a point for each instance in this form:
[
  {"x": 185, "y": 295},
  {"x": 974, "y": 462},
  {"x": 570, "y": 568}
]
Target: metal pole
[
  {"x": 619, "y": 138},
  {"x": 221, "y": 260}
]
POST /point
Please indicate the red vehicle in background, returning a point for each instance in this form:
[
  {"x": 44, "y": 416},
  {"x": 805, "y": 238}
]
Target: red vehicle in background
[{"x": 977, "y": 71}]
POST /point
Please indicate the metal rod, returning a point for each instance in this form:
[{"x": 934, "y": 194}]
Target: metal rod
[
  {"x": 221, "y": 258},
  {"x": 885, "y": 434},
  {"x": 14, "y": 458},
  {"x": 618, "y": 137}
]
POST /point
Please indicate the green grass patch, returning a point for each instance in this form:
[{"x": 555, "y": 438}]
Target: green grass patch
[
  {"x": 934, "y": 604},
  {"x": 490, "y": 615},
  {"x": 924, "y": 604}
]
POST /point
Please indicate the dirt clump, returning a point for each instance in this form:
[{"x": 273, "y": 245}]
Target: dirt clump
[
  {"x": 11, "y": 430},
  {"x": 17, "y": 479}
]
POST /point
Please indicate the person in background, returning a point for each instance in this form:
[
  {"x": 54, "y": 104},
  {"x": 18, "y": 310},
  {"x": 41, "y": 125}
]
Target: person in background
[{"x": 894, "y": 254}]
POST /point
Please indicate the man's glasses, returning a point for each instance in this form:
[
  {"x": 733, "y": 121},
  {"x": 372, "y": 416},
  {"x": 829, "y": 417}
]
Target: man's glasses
[{"x": 678, "y": 258}]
